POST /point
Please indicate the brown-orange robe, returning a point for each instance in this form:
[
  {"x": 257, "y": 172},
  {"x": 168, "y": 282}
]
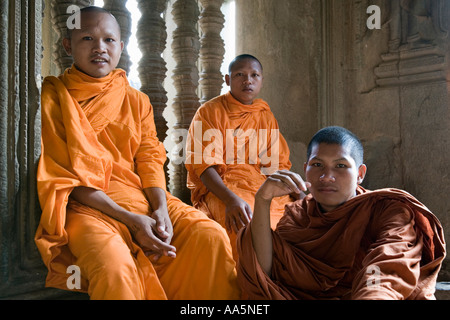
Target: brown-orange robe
[
  {"x": 259, "y": 150},
  {"x": 381, "y": 244},
  {"x": 100, "y": 133}
]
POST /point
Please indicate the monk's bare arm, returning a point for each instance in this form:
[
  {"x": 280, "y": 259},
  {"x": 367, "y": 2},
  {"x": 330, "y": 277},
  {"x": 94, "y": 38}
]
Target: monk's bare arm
[
  {"x": 262, "y": 234},
  {"x": 140, "y": 226},
  {"x": 214, "y": 183},
  {"x": 239, "y": 212},
  {"x": 98, "y": 200},
  {"x": 281, "y": 183}
]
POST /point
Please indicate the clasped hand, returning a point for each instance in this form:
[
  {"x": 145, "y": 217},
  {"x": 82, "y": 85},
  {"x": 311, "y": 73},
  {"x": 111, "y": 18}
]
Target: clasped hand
[{"x": 154, "y": 234}]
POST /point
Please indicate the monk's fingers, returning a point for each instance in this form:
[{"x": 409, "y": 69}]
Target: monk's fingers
[
  {"x": 233, "y": 222},
  {"x": 163, "y": 225},
  {"x": 245, "y": 214},
  {"x": 291, "y": 180},
  {"x": 154, "y": 244},
  {"x": 278, "y": 185},
  {"x": 301, "y": 184}
]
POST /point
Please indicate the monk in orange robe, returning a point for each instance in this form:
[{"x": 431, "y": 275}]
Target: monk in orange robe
[
  {"x": 234, "y": 143},
  {"x": 101, "y": 185},
  {"x": 341, "y": 241}
]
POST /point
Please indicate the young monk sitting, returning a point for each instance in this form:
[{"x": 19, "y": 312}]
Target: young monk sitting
[
  {"x": 102, "y": 189},
  {"x": 233, "y": 143},
  {"x": 341, "y": 241}
]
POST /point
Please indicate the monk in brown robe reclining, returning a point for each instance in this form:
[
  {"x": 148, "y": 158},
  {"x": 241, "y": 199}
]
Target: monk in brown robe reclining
[{"x": 341, "y": 241}]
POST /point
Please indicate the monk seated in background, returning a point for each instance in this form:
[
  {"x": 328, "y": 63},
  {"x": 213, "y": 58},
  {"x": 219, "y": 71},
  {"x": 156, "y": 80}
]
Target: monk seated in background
[
  {"x": 233, "y": 144},
  {"x": 341, "y": 241},
  {"x": 101, "y": 185}
]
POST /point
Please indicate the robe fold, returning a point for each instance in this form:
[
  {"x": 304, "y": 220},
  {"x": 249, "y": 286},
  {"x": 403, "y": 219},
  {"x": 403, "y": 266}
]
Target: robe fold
[
  {"x": 100, "y": 133},
  {"x": 244, "y": 144},
  {"x": 381, "y": 244}
]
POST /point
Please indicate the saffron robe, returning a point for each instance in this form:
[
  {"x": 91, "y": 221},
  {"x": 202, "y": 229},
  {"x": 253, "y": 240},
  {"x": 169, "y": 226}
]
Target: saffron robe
[
  {"x": 381, "y": 244},
  {"x": 100, "y": 133},
  {"x": 244, "y": 144}
]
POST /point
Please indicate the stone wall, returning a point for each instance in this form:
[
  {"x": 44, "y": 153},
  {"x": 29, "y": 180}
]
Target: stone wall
[
  {"x": 22, "y": 272},
  {"x": 324, "y": 66}
]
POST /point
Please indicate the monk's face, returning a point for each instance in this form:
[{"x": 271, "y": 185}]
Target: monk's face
[
  {"x": 95, "y": 47},
  {"x": 333, "y": 174},
  {"x": 245, "y": 80}
]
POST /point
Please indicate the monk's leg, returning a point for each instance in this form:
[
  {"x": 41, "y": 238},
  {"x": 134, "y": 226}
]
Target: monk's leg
[
  {"x": 204, "y": 267},
  {"x": 105, "y": 260}
]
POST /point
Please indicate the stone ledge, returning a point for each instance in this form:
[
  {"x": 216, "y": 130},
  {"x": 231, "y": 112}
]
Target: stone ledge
[{"x": 442, "y": 291}]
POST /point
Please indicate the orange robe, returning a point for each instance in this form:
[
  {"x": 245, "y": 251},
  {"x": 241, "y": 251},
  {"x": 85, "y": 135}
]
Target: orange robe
[
  {"x": 244, "y": 144},
  {"x": 100, "y": 133},
  {"x": 381, "y": 244}
]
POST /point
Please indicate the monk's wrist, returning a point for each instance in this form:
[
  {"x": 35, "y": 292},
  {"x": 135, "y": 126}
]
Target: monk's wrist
[{"x": 260, "y": 199}]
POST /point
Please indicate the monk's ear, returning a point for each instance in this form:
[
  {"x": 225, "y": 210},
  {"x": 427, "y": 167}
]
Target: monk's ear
[
  {"x": 362, "y": 170},
  {"x": 227, "y": 79},
  {"x": 67, "y": 46},
  {"x": 121, "y": 46}
]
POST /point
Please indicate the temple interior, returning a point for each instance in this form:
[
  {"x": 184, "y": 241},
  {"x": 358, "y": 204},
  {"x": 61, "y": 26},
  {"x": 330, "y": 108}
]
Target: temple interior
[{"x": 380, "y": 68}]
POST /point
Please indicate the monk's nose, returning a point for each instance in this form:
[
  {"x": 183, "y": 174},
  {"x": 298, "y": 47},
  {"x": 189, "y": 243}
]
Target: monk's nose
[
  {"x": 327, "y": 177},
  {"x": 99, "y": 47},
  {"x": 248, "y": 80}
]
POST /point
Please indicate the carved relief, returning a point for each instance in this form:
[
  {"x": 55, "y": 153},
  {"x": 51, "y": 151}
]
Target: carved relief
[{"x": 415, "y": 55}]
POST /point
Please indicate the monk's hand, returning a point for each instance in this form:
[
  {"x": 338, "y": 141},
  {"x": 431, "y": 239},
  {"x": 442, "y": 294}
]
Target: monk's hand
[
  {"x": 143, "y": 228},
  {"x": 163, "y": 226},
  {"x": 237, "y": 214},
  {"x": 281, "y": 183}
]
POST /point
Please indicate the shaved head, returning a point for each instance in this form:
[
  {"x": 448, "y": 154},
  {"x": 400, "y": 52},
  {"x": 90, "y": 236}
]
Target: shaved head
[
  {"x": 243, "y": 57},
  {"x": 91, "y": 9}
]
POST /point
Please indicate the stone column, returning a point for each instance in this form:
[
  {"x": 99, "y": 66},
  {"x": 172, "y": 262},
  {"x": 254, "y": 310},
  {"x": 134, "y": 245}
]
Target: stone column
[
  {"x": 212, "y": 49},
  {"x": 59, "y": 19},
  {"x": 186, "y": 46},
  {"x": 119, "y": 10},
  {"x": 152, "y": 36},
  {"x": 22, "y": 272}
]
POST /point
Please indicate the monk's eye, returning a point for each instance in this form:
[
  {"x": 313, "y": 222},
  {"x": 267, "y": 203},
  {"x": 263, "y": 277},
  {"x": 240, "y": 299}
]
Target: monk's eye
[
  {"x": 341, "y": 165},
  {"x": 87, "y": 38},
  {"x": 316, "y": 164},
  {"x": 110, "y": 40},
  {"x": 255, "y": 75}
]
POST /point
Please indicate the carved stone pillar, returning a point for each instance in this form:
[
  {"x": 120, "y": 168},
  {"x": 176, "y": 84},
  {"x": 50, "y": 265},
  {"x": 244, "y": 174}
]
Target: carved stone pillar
[
  {"x": 119, "y": 10},
  {"x": 212, "y": 49},
  {"x": 22, "y": 272},
  {"x": 152, "y": 36},
  {"x": 186, "y": 46},
  {"x": 59, "y": 19}
]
